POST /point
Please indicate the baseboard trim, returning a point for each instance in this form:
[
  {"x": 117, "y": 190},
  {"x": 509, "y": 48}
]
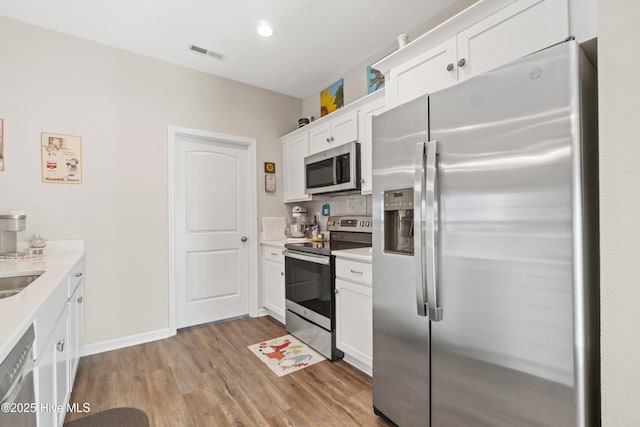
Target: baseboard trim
[
  {"x": 358, "y": 364},
  {"x": 117, "y": 343}
]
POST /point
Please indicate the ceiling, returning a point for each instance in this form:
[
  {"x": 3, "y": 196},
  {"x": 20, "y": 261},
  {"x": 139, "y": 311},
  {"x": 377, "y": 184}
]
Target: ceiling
[{"x": 314, "y": 42}]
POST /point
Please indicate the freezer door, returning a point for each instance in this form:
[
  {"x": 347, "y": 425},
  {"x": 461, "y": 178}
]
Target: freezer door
[
  {"x": 505, "y": 351},
  {"x": 400, "y": 333}
]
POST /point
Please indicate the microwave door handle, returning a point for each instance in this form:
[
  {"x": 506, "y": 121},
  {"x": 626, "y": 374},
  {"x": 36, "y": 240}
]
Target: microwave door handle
[
  {"x": 431, "y": 185},
  {"x": 335, "y": 170},
  {"x": 419, "y": 221}
]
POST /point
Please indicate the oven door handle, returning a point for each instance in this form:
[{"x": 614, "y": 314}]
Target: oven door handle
[{"x": 318, "y": 259}]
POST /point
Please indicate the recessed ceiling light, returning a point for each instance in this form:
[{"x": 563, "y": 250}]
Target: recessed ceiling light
[{"x": 264, "y": 29}]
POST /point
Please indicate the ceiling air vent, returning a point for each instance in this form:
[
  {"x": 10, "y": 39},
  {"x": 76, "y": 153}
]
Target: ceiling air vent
[{"x": 203, "y": 51}]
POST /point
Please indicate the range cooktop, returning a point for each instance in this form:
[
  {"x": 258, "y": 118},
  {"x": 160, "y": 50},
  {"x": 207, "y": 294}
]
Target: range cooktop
[{"x": 346, "y": 232}]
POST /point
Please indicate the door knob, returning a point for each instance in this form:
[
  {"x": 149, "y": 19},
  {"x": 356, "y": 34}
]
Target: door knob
[{"x": 243, "y": 239}]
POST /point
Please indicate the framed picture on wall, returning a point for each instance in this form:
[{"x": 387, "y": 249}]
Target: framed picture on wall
[
  {"x": 61, "y": 158},
  {"x": 375, "y": 79},
  {"x": 332, "y": 98}
]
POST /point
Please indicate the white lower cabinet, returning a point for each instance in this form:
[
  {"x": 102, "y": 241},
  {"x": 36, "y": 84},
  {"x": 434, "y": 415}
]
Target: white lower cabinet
[
  {"x": 273, "y": 281},
  {"x": 59, "y": 326},
  {"x": 354, "y": 313},
  {"x": 53, "y": 374}
]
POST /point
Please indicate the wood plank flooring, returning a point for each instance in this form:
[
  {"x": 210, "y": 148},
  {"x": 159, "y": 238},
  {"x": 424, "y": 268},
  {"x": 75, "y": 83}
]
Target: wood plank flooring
[{"x": 206, "y": 376}]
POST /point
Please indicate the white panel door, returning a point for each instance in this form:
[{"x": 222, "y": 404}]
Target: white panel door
[{"x": 212, "y": 256}]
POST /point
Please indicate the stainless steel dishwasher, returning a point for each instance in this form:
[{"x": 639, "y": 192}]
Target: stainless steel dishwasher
[{"x": 16, "y": 385}]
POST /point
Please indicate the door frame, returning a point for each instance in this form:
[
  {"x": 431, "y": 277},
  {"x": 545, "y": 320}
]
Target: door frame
[{"x": 174, "y": 133}]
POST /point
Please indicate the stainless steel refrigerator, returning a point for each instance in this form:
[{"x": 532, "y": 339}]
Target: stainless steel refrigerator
[{"x": 485, "y": 249}]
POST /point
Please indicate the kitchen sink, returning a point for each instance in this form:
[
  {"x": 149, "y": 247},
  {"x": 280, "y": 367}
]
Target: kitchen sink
[{"x": 10, "y": 286}]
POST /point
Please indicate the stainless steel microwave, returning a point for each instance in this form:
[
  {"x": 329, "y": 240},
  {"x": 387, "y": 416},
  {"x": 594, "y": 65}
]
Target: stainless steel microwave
[{"x": 333, "y": 171}]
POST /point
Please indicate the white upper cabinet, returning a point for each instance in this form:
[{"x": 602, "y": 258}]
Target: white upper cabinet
[
  {"x": 483, "y": 37},
  {"x": 294, "y": 149},
  {"x": 519, "y": 29},
  {"x": 336, "y": 132},
  {"x": 366, "y": 113},
  {"x": 427, "y": 72}
]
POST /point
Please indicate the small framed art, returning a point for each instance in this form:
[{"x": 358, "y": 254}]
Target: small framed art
[{"x": 61, "y": 158}]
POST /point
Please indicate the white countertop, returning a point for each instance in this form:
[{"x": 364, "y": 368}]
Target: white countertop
[
  {"x": 281, "y": 243},
  {"x": 357, "y": 254},
  {"x": 18, "y": 312}
]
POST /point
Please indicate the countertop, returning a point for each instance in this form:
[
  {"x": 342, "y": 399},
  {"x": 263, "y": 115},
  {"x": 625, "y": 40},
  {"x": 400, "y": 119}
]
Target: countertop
[
  {"x": 358, "y": 254},
  {"x": 19, "y": 311},
  {"x": 281, "y": 243}
]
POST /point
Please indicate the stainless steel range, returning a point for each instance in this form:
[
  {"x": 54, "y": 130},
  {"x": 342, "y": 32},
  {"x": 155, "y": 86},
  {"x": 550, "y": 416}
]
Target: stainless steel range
[{"x": 310, "y": 282}]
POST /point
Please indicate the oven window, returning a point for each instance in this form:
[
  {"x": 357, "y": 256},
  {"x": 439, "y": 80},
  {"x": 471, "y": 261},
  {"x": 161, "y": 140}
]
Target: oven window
[
  {"x": 309, "y": 284},
  {"x": 320, "y": 174}
]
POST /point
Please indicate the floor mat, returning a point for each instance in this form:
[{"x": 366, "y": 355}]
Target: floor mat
[{"x": 284, "y": 355}]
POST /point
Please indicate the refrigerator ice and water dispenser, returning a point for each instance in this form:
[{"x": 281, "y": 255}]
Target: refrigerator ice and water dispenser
[{"x": 398, "y": 221}]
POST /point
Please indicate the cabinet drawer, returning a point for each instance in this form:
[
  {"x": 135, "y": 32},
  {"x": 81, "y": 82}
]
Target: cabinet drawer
[
  {"x": 272, "y": 254},
  {"x": 355, "y": 271}
]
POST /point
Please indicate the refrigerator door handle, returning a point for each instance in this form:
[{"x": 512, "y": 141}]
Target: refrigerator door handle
[
  {"x": 419, "y": 220},
  {"x": 435, "y": 312}
]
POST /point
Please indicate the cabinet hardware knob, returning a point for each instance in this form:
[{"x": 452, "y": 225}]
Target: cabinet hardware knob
[
  {"x": 60, "y": 346},
  {"x": 80, "y": 299},
  {"x": 461, "y": 62},
  {"x": 77, "y": 275},
  {"x": 336, "y": 291},
  {"x": 282, "y": 273},
  {"x": 328, "y": 140},
  {"x": 332, "y": 139},
  {"x": 356, "y": 272},
  {"x": 243, "y": 239},
  {"x": 450, "y": 66},
  {"x": 362, "y": 181},
  {"x": 274, "y": 254}
]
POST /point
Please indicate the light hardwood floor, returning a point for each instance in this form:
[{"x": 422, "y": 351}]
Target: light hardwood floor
[{"x": 206, "y": 376}]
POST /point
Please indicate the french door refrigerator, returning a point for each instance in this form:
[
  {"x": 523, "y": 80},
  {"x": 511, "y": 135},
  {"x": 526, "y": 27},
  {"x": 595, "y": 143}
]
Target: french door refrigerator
[{"x": 485, "y": 249}]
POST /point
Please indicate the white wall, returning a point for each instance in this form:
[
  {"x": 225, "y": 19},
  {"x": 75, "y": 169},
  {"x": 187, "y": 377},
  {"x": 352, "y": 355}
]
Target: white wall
[
  {"x": 355, "y": 79},
  {"x": 120, "y": 104},
  {"x": 619, "y": 93}
]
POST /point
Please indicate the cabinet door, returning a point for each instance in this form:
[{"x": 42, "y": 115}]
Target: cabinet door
[
  {"x": 294, "y": 152},
  {"x": 519, "y": 29},
  {"x": 366, "y": 127},
  {"x": 344, "y": 129},
  {"x": 76, "y": 330},
  {"x": 53, "y": 375},
  {"x": 354, "y": 324},
  {"x": 273, "y": 287},
  {"x": 426, "y": 73},
  {"x": 46, "y": 382},
  {"x": 61, "y": 359},
  {"x": 320, "y": 138}
]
